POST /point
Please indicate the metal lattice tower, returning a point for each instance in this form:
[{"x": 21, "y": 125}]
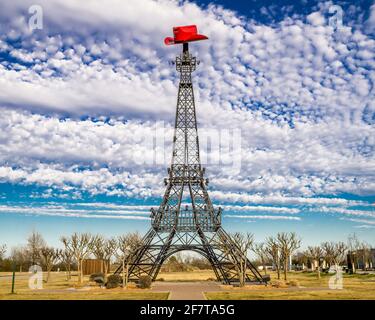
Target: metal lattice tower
[{"x": 186, "y": 218}]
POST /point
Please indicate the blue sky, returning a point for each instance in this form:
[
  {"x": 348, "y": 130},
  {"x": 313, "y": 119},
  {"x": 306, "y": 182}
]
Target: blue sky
[{"x": 85, "y": 100}]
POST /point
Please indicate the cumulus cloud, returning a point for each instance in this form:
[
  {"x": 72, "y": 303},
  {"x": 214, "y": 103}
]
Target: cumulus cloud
[
  {"x": 82, "y": 99},
  {"x": 370, "y": 23},
  {"x": 282, "y": 199},
  {"x": 100, "y": 155},
  {"x": 288, "y": 71},
  {"x": 264, "y": 217}
]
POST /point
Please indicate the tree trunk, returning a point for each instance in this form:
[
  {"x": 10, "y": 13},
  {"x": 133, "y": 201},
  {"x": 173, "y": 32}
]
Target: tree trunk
[
  {"x": 278, "y": 272},
  {"x": 264, "y": 267},
  {"x": 239, "y": 272},
  {"x": 285, "y": 269},
  {"x": 81, "y": 278},
  {"x": 78, "y": 270},
  {"x": 127, "y": 275},
  {"x": 67, "y": 272},
  {"x": 123, "y": 274},
  {"x": 244, "y": 270},
  {"x": 318, "y": 272},
  {"x": 79, "y": 273},
  {"x": 105, "y": 271},
  {"x": 242, "y": 276}
]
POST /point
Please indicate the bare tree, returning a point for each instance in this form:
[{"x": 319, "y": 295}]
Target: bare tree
[
  {"x": 127, "y": 245},
  {"x": 334, "y": 252},
  {"x": 67, "y": 260},
  {"x": 3, "y": 249},
  {"x": 364, "y": 252},
  {"x": 353, "y": 244},
  {"x": 260, "y": 250},
  {"x": 358, "y": 251},
  {"x": 35, "y": 242},
  {"x": 81, "y": 245},
  {"x": 122, "y": 253},
  {"x": 98, "y": 247},
  {"x": 273, "y": 252},
  {"x": 287, "y": 243},
  {"x": 19, "y": 256},
  {"x": 49, "y": 256},
  {"x": 243, "y": 242},
  {"x": 301, "y": 258},
  {"x": 104, "y": 249},
  {"x": 315, "y": 254}
]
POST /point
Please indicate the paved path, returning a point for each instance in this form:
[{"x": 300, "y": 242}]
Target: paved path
[
  {"x": 186, "y": 290},
  {"x": 194, "y": 290}
]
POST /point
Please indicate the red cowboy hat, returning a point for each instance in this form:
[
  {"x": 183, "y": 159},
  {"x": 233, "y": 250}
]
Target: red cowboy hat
[{"x": 184, "y": 34}]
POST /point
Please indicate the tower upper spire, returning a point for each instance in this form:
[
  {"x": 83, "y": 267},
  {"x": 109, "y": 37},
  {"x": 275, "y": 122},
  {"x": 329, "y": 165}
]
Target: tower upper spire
[{"x": 186, "y": 176}]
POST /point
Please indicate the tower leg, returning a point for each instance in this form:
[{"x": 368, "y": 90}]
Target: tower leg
[{"x": 157, "y": 247}]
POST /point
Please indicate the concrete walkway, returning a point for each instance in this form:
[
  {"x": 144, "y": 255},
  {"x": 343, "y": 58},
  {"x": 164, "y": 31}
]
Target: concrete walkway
[{"x": 186, "y": 290}]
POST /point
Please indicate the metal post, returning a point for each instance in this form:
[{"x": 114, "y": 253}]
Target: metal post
[
  {"x": 13, "y": 277},
  {"x": 185, "y": 47}
]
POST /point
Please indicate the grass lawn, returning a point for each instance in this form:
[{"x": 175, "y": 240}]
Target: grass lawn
[
  {"x": 306, "y": 286},
  {"x": 59, "y": 289},
  {"x": 196, "y": 275},
  {"x": 309, "y": 287}
]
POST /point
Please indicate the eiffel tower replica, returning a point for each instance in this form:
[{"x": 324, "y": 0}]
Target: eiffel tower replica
[{"x": 186, "y": 218}]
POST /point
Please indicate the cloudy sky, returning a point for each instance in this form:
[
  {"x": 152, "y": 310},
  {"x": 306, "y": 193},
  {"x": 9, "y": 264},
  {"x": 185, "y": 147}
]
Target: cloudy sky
[{"x": 87, "y": 104}]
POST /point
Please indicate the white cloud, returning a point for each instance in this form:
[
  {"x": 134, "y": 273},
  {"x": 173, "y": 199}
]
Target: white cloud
[
  {"x": 365, "y": 221},
  {"x": 281, "y": 199},
  {"x": 370, "y": 23},
  {"x": 100, "y": 181},
  {"x": 300, "y": 93},
  {"x": 261, "y": 208},
  {"x": 113, "y": 206},
  {"x": 316, "y": 19},
  {"x": 364, "y": 226},
  {"x": 62, "y": 211},
  {"x": 360, "y": 213},
  {"x": 265, "y": 217},
  {"x": 96, "y": 156},
  {"x": 290, "y": 67}
]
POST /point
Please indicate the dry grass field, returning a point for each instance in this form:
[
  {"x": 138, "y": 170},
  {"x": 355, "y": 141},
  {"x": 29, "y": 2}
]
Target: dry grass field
[
  {"x": 59, "y": 289},
  {"x": 196, "y": 275},
  {"x": 301, "y": 286}
]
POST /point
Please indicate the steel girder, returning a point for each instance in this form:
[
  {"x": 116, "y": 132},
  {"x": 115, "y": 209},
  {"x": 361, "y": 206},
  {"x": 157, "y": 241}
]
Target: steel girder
[{"x": 158, "y": 246}]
